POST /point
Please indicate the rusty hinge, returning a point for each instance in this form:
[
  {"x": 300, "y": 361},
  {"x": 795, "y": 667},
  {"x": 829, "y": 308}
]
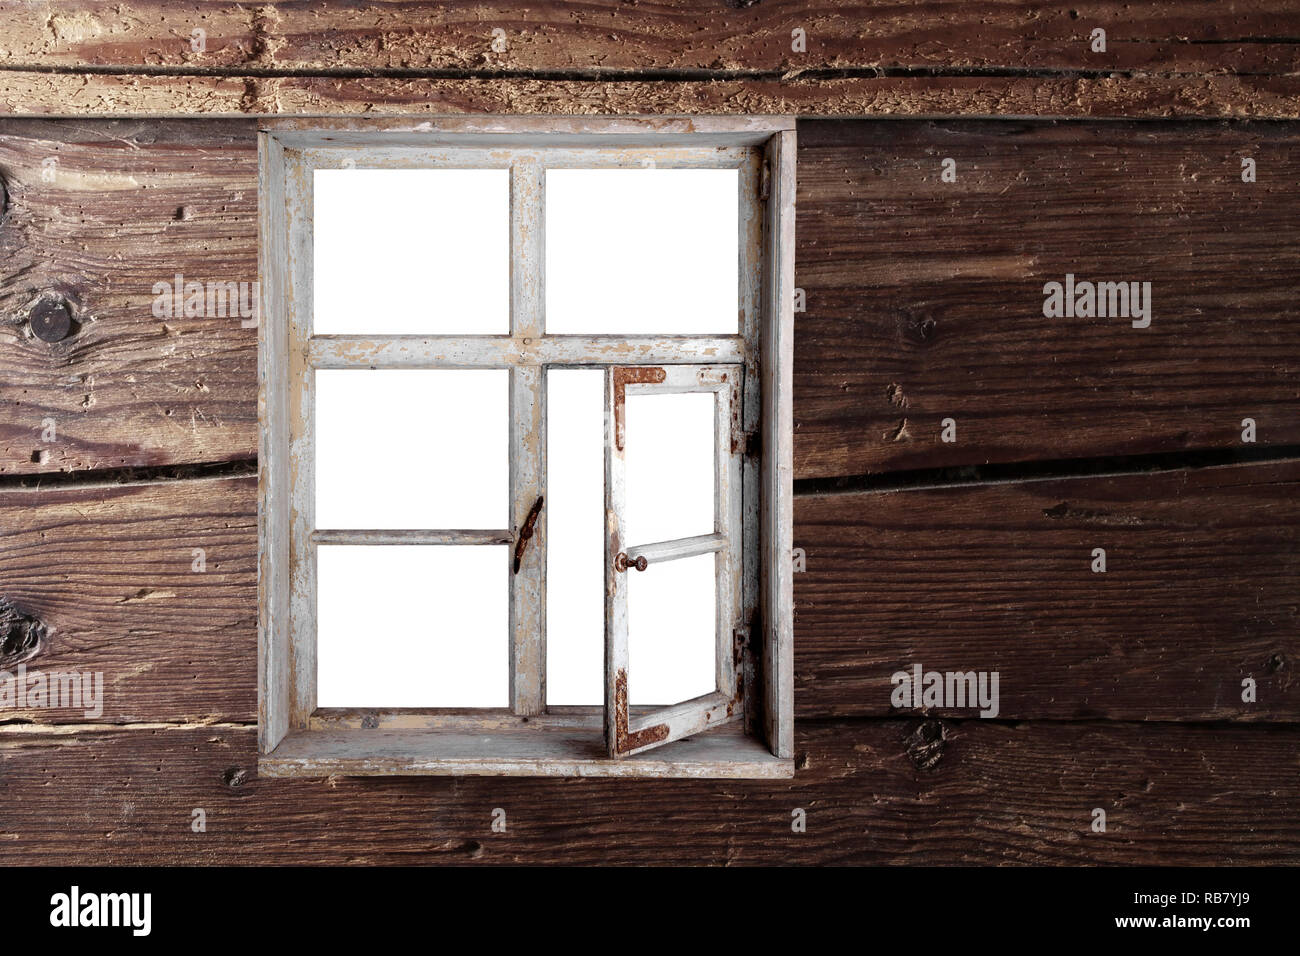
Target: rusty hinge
[
  {"x": 526, "y": 532},
  {"x": 765, "y": 181}
]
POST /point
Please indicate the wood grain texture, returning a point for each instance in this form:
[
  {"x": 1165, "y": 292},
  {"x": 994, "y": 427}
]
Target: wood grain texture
[
  {"x": 1118, "y": 690},
  {"x": 111, "y": 571},
  {"x": 879, "y": 791},
  {"x": 97, "y": 214},
  {"x": 1199, "y": 593},
  {"x": 1253, "y": 36},
  {"x": 955, "y": 330},
  {"x": 925, "y": 298},
  {"x": 925, "y": 57},
  {"x": 1146, "y": 95}
]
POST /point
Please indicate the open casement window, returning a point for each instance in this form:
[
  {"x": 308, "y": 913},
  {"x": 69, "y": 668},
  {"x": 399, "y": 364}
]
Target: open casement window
[
  {"x": 627, "y": 733},
  {"x": 446, "y": 586}
]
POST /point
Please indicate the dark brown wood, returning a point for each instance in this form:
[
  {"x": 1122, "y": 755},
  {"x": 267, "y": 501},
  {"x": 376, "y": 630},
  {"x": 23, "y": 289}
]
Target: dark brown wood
[
  {"x": 1162, "y": 58},
  {"x": 1199, "y": 593},
  {"x": 875, "y": 791},
  {"x": 1254, "y": 36},
  {"x": 889, "y": 338},
  {"x": 925, "y": 298},
  {"x": 1140, "y": 95},
  {"x": 1119, "y": 690},
  {"x": 110, "y": 571},
  {"x": 98, "y": 213}
]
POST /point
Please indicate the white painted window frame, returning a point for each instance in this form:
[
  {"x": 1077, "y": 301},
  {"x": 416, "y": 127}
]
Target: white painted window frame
[{"x": 755, "y": 697}]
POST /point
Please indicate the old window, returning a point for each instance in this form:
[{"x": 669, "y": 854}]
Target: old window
[{"x": 525, "y": 480}]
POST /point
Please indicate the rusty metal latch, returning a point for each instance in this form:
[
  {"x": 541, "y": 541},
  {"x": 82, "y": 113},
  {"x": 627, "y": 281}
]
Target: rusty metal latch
[
  {"x": 621, "y": 563},
  {"x": 526, "y": 532}
]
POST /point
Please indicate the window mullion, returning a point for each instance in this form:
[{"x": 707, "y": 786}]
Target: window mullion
[{"x": 527, "y": 445}]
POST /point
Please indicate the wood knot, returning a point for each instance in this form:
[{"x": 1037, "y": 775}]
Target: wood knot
[
  {"x": 22, "y": 636},
  {"x": 918, "y": 328},
  {"x": 925, "y": 744},
  {"x": 235, "y": 777},
  {"x": 898, "y": 433}
]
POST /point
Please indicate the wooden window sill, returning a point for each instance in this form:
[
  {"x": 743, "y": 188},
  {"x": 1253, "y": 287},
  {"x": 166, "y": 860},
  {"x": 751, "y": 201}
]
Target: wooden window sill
[{"x": 523, "y": 751}]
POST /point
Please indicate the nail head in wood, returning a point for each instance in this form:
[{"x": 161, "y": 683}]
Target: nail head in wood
[{"x": 50, "y": 320}]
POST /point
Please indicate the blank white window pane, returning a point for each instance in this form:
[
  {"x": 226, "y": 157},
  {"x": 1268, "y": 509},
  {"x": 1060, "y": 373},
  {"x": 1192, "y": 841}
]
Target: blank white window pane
[
  {"x": 411, "y": 251},
  {"x": 411, "y": 626},
  {"x": 642, "y": 251},
  {"x": 672, "y": 627},
  {"x": 669, "y": 448},
  {"x": 575, "y": 536},
  {"x": 412, "y": 448}
]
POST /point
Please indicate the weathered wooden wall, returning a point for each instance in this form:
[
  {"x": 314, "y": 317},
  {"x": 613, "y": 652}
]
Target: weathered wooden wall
[
  {"x": 924, "y": 302},
  {"x": 915, "y": 57}
]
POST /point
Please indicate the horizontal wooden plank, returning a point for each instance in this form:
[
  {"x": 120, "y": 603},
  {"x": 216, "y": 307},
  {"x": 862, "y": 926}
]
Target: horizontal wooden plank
[
  {"x": 1198, "y": 594},
  {"x": 113, "y": 574},
  {"x": 874, "y": 791},
  {"x": 925, "y": 298},
  {"x": 98, "y": 214},
  {"x": 1254, "y": 36},
  {"x": 1146, "y": 95}
]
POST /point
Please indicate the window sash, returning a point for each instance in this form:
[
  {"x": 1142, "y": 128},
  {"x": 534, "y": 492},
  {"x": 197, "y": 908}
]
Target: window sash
[{"x": 625, "y": 734}]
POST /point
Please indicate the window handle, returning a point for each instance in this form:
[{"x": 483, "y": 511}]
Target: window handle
[
  {"x": 526, "y": 532},
  {"x": 621, "y": 563}
]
